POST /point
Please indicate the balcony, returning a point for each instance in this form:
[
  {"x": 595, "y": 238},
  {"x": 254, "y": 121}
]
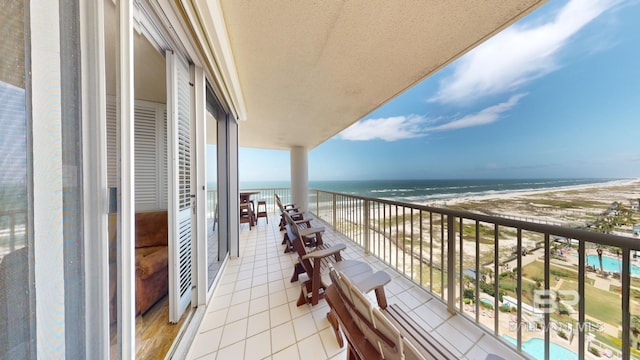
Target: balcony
[{"x": 253, "y": 313}]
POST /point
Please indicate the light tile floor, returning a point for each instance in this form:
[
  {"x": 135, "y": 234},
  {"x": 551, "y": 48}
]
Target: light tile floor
[{"x": 253, "y": 312}]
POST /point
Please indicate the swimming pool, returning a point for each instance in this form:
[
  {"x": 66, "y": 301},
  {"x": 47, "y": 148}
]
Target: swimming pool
[
  {"x": 610, "y": 264},
  {"x": 486, "y": 301},
  {"x": 535, "y": 348}
]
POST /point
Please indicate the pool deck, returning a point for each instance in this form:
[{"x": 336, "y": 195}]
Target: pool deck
[
  {"x": 571, "y": 258},
  {"x": 599, "y": 282}
]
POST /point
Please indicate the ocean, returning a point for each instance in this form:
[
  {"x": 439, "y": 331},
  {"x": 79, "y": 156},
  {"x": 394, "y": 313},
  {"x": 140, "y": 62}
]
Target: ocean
[{"x": 425, "y": 191}]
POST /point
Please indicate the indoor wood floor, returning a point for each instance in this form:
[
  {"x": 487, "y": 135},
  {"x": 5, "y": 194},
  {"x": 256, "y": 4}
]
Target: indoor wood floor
[{"x": 154, "y": 333}]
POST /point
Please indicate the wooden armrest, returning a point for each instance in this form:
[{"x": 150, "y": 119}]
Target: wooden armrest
[
  {"x": 325, "y": 252},
  {"x": 374, "y": 281},
  {"x": 303, "y": 221},
  {"x": 311, "y": 231},
  {"x": 292, "y": 212}
]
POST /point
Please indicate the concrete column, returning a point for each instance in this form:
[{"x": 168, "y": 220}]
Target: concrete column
[{"x": 300, "y": 177}]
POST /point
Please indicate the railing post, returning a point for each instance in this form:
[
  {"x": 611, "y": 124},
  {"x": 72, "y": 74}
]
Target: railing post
[
  {"x": 366, "y": 227},
  {"x": 451, "y": 265},
  {"x": 582, "y": 304},
  {"x": 12, "y": 234},
  {"x": 625, "y": 278},
  {"x": 334, "y": 211}
]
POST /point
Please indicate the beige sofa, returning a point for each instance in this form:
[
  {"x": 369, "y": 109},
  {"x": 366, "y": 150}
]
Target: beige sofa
[{"x": 151, "y": 260}]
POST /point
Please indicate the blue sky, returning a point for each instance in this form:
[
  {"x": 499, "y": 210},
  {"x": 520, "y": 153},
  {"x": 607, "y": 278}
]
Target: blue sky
[{"x": 556, "y": 95}]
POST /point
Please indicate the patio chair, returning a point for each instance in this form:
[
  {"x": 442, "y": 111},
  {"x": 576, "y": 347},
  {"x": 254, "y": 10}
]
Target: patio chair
[
  {"x": 300, "y": 222},
  {"x": 316, "y": 265},
  {"x": 383, "y": 332},
  {"x": 292, "y": 209}
]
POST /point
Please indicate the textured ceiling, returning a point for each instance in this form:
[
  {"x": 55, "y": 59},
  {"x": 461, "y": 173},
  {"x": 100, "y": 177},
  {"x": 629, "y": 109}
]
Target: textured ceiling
[{"x": 309, "y": 69}]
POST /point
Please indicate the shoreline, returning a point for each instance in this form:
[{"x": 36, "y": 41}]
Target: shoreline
[{"x": 508, "y": 195}]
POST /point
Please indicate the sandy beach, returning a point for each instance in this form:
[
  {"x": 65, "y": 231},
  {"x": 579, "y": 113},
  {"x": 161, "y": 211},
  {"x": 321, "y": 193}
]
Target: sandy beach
[{"x": 567, "y": 206}]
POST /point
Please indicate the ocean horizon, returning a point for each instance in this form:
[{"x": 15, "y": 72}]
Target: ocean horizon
[{"x": 421, "y": 191}]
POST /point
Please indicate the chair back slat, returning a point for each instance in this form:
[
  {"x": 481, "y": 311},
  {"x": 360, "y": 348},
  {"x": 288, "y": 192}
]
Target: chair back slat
[{"x": 383, "y": 325}]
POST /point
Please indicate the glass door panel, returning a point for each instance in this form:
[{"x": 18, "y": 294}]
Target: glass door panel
[{"x": 16, "y": 270}]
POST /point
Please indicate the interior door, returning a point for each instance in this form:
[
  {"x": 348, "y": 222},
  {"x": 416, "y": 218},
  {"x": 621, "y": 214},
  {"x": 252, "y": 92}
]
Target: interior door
[{"x": 179, "y": 126}]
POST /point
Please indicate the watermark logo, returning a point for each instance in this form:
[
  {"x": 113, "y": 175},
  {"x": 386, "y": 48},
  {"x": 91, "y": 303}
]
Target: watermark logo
[
  {"x": 539, "y": 326},
  {"x": 548, "y": 301}
]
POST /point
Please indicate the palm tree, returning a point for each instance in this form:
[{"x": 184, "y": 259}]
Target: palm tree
[
  {"x": 599, "y": 250},
  {"x": 468, "y": 281},
  {"x": 485, "y": 274}
]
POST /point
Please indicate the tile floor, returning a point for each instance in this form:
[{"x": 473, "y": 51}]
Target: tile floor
[{"x": 253, "y": 313}]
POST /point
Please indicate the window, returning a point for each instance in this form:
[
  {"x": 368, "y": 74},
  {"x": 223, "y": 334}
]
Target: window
[
  {"x": 216, "y": 251},
  {"x": 17, "y": 318},
  {"x": 28, "y": 201}
]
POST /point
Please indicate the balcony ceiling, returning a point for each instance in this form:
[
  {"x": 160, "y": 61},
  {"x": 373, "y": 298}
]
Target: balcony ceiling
[{"x": 309, "y": 69}]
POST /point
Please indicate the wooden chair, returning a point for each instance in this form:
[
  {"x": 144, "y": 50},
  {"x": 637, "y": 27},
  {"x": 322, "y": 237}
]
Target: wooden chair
[
  {"x": 384, "y": 332},
  {"x": 301, "y": 223},
  {"x": 292, "y": 209},
  {"x": 353, "y": 297},
  {"x": 317, "y": 264},
  {"x": 306, "y": 236}
]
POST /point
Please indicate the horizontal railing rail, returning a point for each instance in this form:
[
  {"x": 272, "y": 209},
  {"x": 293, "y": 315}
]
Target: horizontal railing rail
[
  {"x": 519, "y": 279},
  {"x": 267, "y": 194}
]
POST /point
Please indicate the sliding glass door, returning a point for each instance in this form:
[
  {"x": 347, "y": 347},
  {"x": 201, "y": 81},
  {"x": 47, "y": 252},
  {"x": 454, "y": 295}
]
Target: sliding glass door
[
  {"x": 17, "y": 319},
  {"x": 217, "y": 243}
]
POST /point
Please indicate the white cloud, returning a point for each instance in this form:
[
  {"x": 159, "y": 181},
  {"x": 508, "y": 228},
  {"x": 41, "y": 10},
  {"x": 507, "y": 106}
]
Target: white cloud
[
  {"x": 483, "y": 117},
  {"x": 388, "y": 129},
  {"x": 518, "y": 54},
  {"x": 413, "y": 126}
]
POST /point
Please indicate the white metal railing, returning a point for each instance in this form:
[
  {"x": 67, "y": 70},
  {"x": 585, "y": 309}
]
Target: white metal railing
[
  {"x": 540, "y": 269},
  {"x": 212, "y": 210},
  {"x": 13, "y": 231},
  {"x": 266, "y": 194}
]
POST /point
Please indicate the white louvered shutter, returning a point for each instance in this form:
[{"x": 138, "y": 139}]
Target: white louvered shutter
[
  {"x": 179, "y": 123},
  {"x": 112, "y": 145},
  {"x": 163, "y": 187},
  {"x": 150, "y": 131},
  {"x": 146, "y": 159}
]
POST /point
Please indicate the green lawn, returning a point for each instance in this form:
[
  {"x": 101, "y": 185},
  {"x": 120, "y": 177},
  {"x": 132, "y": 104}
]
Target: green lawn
[
  {"x": 536, "y": 270},
  {"x": 635, "y": 293},
  {"x": 569, "y": 204},
  {"x": 600, "y": 304}
]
